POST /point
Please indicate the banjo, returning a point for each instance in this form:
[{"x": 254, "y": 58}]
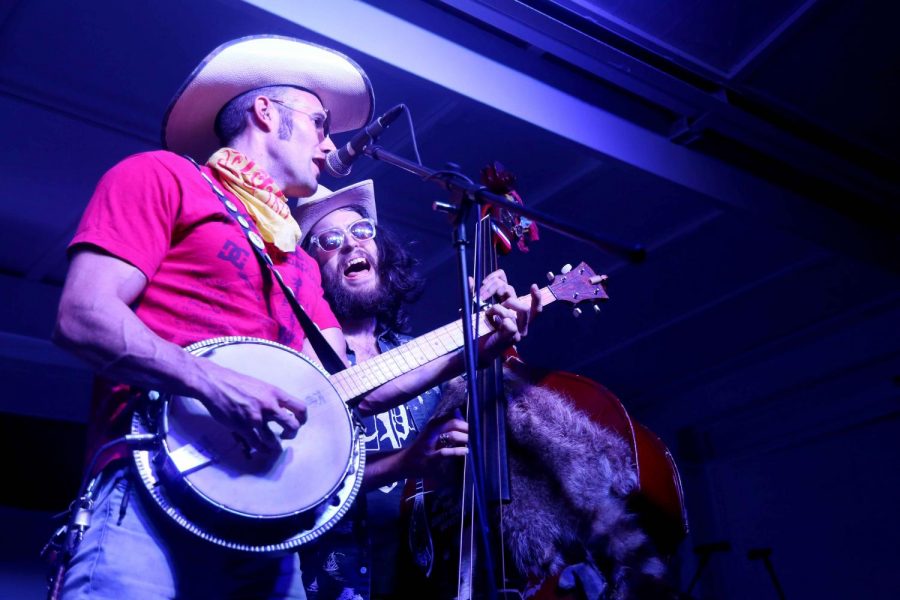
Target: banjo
[{"x": 207, "y": 478}]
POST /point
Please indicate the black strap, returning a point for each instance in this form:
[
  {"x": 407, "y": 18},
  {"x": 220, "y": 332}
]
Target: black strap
[{"x": 329, "y": 358}]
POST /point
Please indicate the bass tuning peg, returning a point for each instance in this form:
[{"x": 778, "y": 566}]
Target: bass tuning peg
[
  {"x": 550, "y": 276},
  {"x": 566, "y": 268},
  {"x": 576, "y": 312}
]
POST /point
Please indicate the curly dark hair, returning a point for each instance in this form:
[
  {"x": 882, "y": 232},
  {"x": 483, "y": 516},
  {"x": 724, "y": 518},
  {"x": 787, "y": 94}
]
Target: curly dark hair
[
  {"x": 400, "y": 284},
  {"x": 401, "y": 280}
]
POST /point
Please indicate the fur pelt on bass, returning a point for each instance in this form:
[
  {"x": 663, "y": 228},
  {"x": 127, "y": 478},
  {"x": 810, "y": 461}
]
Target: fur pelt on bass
[{"x": 569, "y": 481}]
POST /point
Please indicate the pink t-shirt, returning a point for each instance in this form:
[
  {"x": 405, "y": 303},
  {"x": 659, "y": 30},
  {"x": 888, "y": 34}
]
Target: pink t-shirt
[{"x": 156, "y": 212}]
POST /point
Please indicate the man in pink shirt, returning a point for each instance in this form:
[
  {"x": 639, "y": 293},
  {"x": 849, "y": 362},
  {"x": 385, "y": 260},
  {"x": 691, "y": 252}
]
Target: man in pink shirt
[{"x": 158, "y": 262}]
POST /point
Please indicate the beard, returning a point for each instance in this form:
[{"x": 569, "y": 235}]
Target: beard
[{"x": 355, "y": 304}]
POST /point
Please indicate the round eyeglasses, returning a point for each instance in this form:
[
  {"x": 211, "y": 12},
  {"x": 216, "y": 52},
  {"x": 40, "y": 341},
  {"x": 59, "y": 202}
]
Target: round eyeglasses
[{"x": 332, "y": 239}]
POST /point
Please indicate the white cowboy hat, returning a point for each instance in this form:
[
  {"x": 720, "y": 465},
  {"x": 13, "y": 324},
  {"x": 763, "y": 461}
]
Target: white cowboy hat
[
  {"x": 312, "y": 209},
  {"x": 258, "y": 61}
]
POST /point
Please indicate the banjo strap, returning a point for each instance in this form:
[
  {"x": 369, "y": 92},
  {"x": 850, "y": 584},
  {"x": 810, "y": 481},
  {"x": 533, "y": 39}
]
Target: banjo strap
[{"x": 329, "y": 358}]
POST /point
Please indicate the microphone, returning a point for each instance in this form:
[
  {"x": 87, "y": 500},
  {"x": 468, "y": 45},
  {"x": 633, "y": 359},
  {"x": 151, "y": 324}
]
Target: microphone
[{"x": 339, "y": 162}]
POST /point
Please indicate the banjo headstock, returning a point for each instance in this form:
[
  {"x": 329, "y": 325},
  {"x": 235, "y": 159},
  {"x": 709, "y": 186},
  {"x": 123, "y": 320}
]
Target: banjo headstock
[{"x": 578, "y": 285}]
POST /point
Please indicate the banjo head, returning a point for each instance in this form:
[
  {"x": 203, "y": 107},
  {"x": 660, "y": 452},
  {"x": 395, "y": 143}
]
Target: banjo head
[{"x": 207, "y": 477}]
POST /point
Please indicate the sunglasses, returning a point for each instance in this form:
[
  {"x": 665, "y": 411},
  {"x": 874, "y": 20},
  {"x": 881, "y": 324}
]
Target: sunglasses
[
  {"x": 322, "y": 122},
  {"x": 332, "y": 239}
]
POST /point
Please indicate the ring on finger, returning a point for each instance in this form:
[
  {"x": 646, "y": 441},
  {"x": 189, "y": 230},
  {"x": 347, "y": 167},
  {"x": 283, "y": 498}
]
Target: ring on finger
[{"x": 443, "y": 440}]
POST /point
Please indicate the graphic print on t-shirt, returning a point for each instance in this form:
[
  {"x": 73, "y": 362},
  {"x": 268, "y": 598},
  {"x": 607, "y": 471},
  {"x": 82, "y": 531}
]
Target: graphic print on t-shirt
[
  {"x": 389, "y": 431},
  {"x": 234, "y": 254}
]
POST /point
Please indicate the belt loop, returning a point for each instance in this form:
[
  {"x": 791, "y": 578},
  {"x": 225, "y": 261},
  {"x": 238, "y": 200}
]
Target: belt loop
[{"x": 125, "y": 497}]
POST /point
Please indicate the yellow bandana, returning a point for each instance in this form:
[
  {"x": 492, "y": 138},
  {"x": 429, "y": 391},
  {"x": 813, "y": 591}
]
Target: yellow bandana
[{"x": 260, "y": 195}]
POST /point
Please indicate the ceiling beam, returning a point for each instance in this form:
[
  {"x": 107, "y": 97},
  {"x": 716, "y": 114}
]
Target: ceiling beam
[
  {"x": 764, "y": 48},
  {"x": 445, "y": 63},
  {"x": 36, "y": 351},
  {"x": 700, "y": 108}
]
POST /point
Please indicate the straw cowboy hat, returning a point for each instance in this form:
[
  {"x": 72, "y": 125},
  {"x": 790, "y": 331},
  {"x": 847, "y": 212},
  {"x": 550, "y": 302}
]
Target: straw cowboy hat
[
  {"x": 311, "y": 210},
  {"x": 258, "y": 61}
]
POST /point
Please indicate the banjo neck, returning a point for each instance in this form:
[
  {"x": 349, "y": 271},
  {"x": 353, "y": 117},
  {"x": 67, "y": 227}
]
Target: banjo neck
[
  {"x": 360, "y": 379},
  {"x": 201, "y": 474}
]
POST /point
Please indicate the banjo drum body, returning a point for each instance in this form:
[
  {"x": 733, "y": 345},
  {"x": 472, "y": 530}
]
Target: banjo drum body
[{"x": 207, "y": 479}]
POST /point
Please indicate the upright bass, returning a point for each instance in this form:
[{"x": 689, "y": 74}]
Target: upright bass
[{"x": 579, "y": 493}]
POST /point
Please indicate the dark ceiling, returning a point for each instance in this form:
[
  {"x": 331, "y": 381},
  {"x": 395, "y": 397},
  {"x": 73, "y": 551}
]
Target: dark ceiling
[
  {"x": 750, "y": 146},
  {"x": 733, "y": 268}
]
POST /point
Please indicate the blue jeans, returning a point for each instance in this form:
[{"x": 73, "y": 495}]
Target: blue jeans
[{"x": 134, "y": 551}]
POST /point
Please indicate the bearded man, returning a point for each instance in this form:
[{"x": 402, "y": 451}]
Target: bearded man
[{"x": 368, "y": 278}]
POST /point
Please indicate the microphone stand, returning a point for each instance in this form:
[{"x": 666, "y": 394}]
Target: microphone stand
[
  {"x": 464, "y": 194},
  {"x": 472, "y": 192},
  {"x": 705, "y": 552},
  {"x": 763, "y": 554}
]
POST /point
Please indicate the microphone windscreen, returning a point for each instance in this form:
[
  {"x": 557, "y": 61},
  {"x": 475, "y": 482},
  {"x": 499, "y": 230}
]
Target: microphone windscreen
[{"x": 335, "y": 166}]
